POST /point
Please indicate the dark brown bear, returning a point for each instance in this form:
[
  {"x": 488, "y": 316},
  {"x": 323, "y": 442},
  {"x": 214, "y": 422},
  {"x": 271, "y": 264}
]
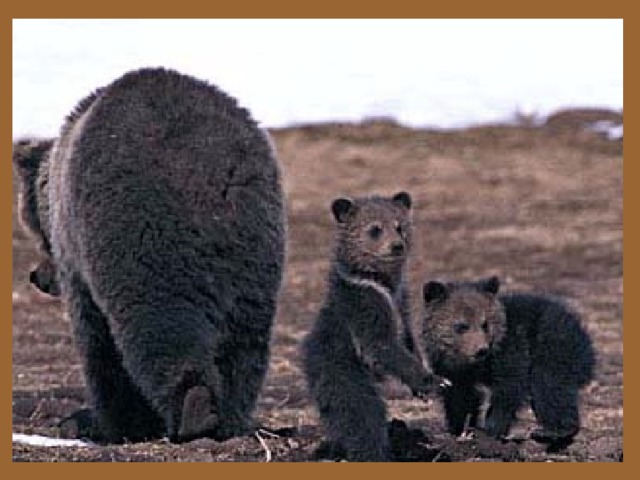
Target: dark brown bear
[
  {"x": 160, "y": 216},
  {"x": 520, "y": 346},
  {"x": 363, "y": 330}
]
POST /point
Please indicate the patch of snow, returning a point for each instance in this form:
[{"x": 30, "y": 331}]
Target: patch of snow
[
  {"x": 42, "y": 441},
  {"x": 612, "y": 130}
]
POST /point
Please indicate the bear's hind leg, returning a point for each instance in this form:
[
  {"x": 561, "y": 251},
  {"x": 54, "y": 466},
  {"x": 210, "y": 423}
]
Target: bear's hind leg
[
  {"x": 353, "y": 413},
  {"x": 242, "y": 365},
  {"x": 118, "y": 412},
  {"x": 555, "y": 404},
  {"x": 168, "y": 351},
  {"x": 242, "y": 359}
]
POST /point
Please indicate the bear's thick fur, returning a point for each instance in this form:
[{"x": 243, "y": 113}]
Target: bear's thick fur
[
  {"x": 520, "y": 346},
  {"x": 363, "y": 330},
  {"x": 161, "y": 208}
]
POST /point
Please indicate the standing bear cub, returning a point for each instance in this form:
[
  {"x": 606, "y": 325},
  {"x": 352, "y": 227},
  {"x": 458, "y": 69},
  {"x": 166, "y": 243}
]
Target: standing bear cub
[
  {"x": 160, "y": 216},
  {"x": 519, "y": 346},
  {"x": 363, "y": 330}
]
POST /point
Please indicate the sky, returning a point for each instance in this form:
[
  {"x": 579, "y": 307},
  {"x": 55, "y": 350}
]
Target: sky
[{"x": 421, "y": 72}]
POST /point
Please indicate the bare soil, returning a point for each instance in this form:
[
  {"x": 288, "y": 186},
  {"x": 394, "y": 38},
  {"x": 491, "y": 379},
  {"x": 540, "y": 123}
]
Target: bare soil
[{"x": 539, "y": 205}]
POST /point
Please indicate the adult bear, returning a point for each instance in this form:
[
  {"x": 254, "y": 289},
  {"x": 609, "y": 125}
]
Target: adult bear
[{"x": 164, "y": 215}]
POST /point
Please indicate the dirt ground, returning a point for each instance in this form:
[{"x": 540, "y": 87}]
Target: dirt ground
[{"x": 538, "y": 205}]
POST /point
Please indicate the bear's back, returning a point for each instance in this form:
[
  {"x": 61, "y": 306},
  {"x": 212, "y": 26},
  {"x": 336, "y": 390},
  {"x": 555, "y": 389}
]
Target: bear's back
[
  {"x": 555, "y": 335},
  {"x": 157, "y": 125},
  {"x": 164, "y": 181},
  {"x": 156, "y": 133}
]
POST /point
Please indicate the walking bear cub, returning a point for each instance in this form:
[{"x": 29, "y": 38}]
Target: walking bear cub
[
  {"x": 520, "y": 346},
  {"x": 159, "y": 214},
  {"x": 363, "y": 329}
]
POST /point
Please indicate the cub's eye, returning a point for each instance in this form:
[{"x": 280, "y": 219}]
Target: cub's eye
[
  {"x": 461, "y": 327},
  {"x": 485, "y": 326},
  {"x": 375, "y": 231},
  {"x": 399, "y": 229}
]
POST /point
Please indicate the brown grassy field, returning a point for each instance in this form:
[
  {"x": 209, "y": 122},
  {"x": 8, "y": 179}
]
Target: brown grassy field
[{"x": 540, "y": 206}]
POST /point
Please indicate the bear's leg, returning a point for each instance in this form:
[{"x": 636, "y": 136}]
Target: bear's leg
[
  {"x": 353, "y": 413},
  {"x": 242, "y": 359},
  {"x": 510, "y": 385},
  {"x": 242, "y": 364},
  {"x": 461, "y": 404},
  {"x": 168, "y": 351},
  {"x": 505, "y": 401},
  {"x": 555, "y": 404},
  {"x": 119, "y": 411}
]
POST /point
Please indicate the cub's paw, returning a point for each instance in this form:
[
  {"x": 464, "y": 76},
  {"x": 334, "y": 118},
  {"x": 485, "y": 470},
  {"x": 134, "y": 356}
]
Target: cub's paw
[
  {"x": 555, "y": 440},
  {"x": 444, "y": 383},
  {"x": 431, "y": 384}
]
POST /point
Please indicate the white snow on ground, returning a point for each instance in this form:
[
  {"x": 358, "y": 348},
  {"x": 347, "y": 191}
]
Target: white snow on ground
[
  {"x": 41, "y": 441},
  {"x": 612, "y": 130}
]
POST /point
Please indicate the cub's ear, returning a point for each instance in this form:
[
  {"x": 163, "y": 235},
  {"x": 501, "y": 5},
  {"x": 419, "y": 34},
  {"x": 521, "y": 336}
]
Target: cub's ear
[
  {"x": 45, "y": 281},
  {"x": 402, "y": 198},
  {"x": 434, "y": 291},
  {"x": 490, "y": 285},
  {"x": 340, "y": 208},
  {"x": 29, "y": 153}
]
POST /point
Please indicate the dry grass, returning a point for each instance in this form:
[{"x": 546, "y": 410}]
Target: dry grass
[{"x": 539, "y": 206}]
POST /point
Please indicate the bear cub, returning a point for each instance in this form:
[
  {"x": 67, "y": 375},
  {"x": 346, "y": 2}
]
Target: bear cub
[
  {"x": 520, "y": 346},
  {"x": 29, "y": 157},
  {"x": 363, "y": 329}
]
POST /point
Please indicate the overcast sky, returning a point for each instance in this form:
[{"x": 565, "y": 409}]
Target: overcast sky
[{"x": 443, "y": 73}]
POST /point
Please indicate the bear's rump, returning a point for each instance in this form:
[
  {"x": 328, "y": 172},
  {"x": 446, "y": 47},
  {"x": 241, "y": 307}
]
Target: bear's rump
[{"x": 165, "y": 197}]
